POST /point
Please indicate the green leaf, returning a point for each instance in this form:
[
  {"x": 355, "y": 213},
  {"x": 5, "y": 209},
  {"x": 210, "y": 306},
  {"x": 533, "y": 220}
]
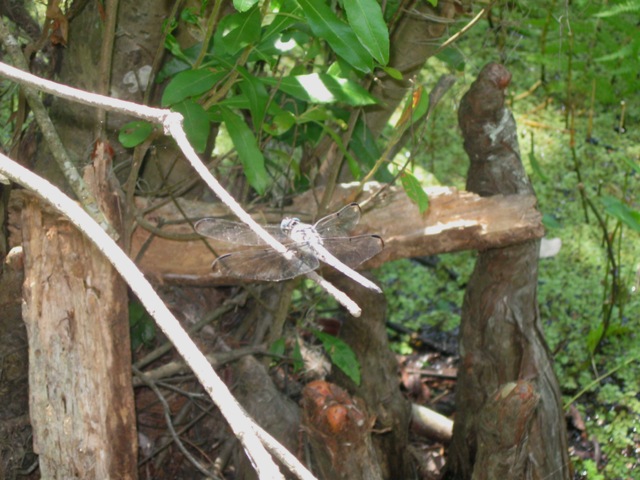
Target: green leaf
[
  {"x": 278, "y": 347},
  {"x": 244, "y": 5},
  {"x": 237, "y": 31},
  {"x": 280, "y": 123},
  {"x": 296, "y": 355},
  {"x": 366, "y": 150},
  {"x": 365, "y": 17},
  {"x": 414, "y": 191},
  {"x": 340, "y": 37},
  {"x": 171, "y": 44},
  {"x": 189, "y": 15},
  {"x": 134, "y": 133},
  {"x": 453, "y": 58},
  {"x": 196, "y": 123},
  {"x": 625, "y": 7},
  {"x": 190, "y": 83},
  {"x": 248, "y": 151},
  {"x": 393, "y": 73},
  {"x": 631, "y": 164},
  {"x": 549, "y": 221},
  {"x": 621, "y": 211},
  {"x": 142, "y": 328},
  {"x": 341, "y": 355},
  {"x": 323, "y": 88},
  {"x": 257, "y": 95}
]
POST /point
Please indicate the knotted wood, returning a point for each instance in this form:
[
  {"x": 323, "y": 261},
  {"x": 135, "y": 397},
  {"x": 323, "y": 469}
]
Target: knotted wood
[{"x": 509, "y": 421}]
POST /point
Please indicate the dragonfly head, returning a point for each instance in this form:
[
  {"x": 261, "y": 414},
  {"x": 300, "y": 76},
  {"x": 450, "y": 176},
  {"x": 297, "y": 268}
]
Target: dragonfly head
[{"x": 287, "y": 224}]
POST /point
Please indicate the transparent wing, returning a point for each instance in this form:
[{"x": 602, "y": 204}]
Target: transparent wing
[
  {"x": 265, "y": 264},
  {"x": 339, "y": 224},
  {"x": 352, "y": 251},
  {"x": 235, "y": 232}
]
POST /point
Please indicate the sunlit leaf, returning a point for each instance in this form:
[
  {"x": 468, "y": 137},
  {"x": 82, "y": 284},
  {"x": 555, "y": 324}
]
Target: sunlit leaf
[
  {"x": 248, "y": 151},
  {"x": 237, "y": 31},
  {"x": 244, "y": 5},
  {"x": 322, "y": 88},
  {"x": 393, "y": 73},
  {"x": 340, "y": 36},
  {"x": 365, "y": 17}
]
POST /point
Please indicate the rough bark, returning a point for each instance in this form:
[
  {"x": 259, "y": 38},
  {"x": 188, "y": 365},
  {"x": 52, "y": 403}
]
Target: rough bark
[
  {"x": 137, "y": 37},
  {"x": 509, "y": 422},
  {"x": 338, "y": 428},
  {"x": 81, "y": 397},
  {"x": 75, "y": 309},
  {"x": 14, "y": 395},
  {"x": 388, "y": 410}
]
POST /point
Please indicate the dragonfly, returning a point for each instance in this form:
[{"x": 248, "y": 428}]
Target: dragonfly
[{"x": 327, "y": 240}]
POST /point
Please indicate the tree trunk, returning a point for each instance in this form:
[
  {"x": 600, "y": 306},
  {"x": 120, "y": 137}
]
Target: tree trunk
[
  {"x": 81, "y": 398},
  {"x": 509, "y": 422},
  {"x": 388, "y": 409}
]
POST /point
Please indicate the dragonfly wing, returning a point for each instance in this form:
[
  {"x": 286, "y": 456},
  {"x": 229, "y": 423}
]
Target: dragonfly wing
[
  {"x": 235, "y": 232},
  {"x": 265, "y": 265},
  {"x": 352, "y": 251},
  {"x": 339, "y": 224}
]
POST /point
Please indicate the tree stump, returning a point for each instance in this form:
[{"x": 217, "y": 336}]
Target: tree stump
[{"x": 506, "y": 369}]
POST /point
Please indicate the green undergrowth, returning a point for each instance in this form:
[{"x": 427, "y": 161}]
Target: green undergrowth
[{"x": 598, "y": 159}]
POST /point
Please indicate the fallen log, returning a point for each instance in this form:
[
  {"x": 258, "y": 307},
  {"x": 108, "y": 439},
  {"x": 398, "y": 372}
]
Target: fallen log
[{"x": 455, "y": 221}]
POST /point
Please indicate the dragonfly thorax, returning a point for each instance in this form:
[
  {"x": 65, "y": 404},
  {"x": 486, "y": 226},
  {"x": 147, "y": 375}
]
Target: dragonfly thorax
[
  {"x": 287, "y": 224},
  {"x": 300, "y": 232}
]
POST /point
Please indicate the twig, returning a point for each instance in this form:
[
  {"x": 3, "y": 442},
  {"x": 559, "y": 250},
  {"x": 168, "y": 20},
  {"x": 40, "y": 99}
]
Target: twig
[
  {"x": 463, "y": 30},
  {"x": 167, "y": 416},
  {"x": 245, "y": 429},
  {"x": 104, "y": 67},
  {"x": 162, "y": 349}
]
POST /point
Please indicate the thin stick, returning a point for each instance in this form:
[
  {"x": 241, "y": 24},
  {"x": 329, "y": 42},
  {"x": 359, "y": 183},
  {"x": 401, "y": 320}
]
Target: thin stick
[{"x": 245, "y": 429}]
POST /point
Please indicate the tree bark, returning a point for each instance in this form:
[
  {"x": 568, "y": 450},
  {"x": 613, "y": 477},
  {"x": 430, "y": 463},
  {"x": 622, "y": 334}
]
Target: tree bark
[
  {"x": 509, "y": 422},
  {"x": 388, "y": 410},
  {"x": 81, "y": 398}
]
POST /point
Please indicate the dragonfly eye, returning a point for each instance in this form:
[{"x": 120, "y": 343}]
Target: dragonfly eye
[{"x": 287, "y": 224}]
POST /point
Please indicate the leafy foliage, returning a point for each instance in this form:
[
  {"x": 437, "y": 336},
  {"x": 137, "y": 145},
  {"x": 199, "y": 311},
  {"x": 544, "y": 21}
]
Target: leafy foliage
[
  {"x": 283, "y": 75},
  {"x": 341, "y": 355}
]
